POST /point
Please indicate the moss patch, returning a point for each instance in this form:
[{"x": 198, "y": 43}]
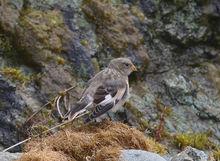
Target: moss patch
[
  {"x": 136, "y": 11},
  {"x": 41, "y": 34},
  {"x": 5, "y": 44},
  {"x": 9, "y": 16},
  {"x": 60, "y": 60},
  {"x": 196, "y": 140},
  {"x": 216, "y": 154},
  {"x": 96, "y": 142},
  {"x": 143, "y": 123},
  {"x": 46, "y": 27},
  {"x": 114, "y": 24},
  {"x": 15, "y": 75}
]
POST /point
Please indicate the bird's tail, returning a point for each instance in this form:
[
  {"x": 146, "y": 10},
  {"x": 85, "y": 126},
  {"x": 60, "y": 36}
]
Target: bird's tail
[{"x": 79, "y": 109}]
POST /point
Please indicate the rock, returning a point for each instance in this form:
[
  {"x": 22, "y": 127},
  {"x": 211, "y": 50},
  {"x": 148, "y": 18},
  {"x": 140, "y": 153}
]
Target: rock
[
  {"x": 11, "y": 108},
  {"x": 139, "y": 155},
  {"x": 10, "y": 12},
  {"x": 6, "y": 156},
  {"x": 177, "y": 85},
  {"x": 212, "y": 9},
  {"x": 191, "y": 154},
  {"x": 80, "y": 40},
  {"x": 60, "y": 44},
  {"x": 115, "y": 26},
  {"x": 148, "y": 6}
]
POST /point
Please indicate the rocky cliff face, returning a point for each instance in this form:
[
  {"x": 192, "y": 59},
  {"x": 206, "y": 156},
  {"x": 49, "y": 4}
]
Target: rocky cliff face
[{"x": 48, "y": 46}]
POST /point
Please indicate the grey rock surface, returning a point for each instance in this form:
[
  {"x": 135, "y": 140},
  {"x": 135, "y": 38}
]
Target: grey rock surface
[
  {"x": 181, "y": 38},
  {"x": 178, "y": 75},
  {"x": 139, "y": 155},
  {"x": 11, "y": 109},
  {"x": 6, "y": 156},
  {"x": 191, "y": 154}
]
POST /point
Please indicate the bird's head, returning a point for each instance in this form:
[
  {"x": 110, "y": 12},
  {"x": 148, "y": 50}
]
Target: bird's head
[{"x": 123, "y": 65}]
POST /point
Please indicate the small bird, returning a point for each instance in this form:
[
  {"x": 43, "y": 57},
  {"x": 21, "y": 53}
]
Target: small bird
[{"x": 107, "y": 90}]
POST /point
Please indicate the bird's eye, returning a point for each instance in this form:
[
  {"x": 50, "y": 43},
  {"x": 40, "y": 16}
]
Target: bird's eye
[{"x": 126, "y": 64}]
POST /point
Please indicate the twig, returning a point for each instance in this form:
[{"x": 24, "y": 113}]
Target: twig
[
  {"x": 11, "y": 147},
  {"x": 83, "y": 112},
  {"x": 42, "y": 107},
  {"x": 45, "y": 132},
  {"x": 56, "y": 99},
  {"x": 160, "y": 129}
]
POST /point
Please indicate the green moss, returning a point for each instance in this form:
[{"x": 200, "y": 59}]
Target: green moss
[
  {"x": 9, "y": 54},
  {"x": 133, "y": 110},
  {"x": 95, "y": 64},
  {"x": 60, "y": 60},
  {"x": 116, "y": 2},
  {"x": 15, "y": 75},
  {"x": 114, "y": 24},
  {"x": 46, "y": 28},
  {"x": 136, "y": 11},
  {"x": 143, "y": 123},
  {"x": 3, "y": 104},
  {"x": 196, "y": 140},
  {"x": 40, "y": 35},
  {"x": 84, "y": 42},
  {"x": 216, "y": 154},
  {"x": 5, "y": 44},
  {"x": 180, "y": 3},
  {"x": 165, "y": 110}
]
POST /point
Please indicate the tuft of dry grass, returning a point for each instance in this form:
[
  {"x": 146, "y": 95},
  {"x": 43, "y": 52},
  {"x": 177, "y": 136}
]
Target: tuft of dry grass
[
  {"x": 94, "y": 142},
  {"x": 46, "y": 155}
]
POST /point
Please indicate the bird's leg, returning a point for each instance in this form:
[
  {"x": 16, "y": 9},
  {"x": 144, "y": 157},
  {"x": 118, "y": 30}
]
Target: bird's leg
[{"x": 110, "y": 115}]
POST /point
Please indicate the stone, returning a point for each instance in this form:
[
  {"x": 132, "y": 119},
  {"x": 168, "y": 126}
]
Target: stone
[
  {"x": 148, "y": 6},
  {"x": 178, "y": 38},
  {"x": 139, "y": 155},
  {"x": 6, "y": 156},
  {"x": 191, "y": 154},
  {"x": 11, "y": 108}
]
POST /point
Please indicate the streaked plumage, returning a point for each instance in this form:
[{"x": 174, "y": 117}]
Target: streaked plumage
[{"x": 106, "y": 90}]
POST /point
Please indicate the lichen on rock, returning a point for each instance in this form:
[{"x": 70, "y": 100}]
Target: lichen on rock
[
  {"x": 41, "y": 34},
  {"x": 116, "y": 28}
]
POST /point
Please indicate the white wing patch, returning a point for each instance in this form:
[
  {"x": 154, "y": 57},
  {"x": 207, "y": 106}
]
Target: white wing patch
[{"x": 108, "y": 99}]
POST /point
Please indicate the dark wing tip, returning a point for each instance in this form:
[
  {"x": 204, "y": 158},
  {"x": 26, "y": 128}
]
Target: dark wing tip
[{"x": 98, "y": 111}]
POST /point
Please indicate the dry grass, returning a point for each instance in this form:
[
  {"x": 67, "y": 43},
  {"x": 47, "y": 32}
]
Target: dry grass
[
  {"x": 46, "y": 155},
  {"x": 94, "y": 142}
]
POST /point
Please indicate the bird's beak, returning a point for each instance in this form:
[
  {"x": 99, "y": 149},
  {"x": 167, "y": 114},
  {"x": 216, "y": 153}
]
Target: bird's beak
[{"x": 133, "y": 68}]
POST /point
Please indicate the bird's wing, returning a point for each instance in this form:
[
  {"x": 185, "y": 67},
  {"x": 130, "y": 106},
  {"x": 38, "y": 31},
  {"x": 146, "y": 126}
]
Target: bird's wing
[
  {"x": 86, "y": 99},
  {"x": 79, "y": 108},
  {"x": 106, "y": 97},
  {"x": 103, "y": 92}
]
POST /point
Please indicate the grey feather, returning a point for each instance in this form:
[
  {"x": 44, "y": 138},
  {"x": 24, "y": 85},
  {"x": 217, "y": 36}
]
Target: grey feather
[{"x": 104, "y": 91}]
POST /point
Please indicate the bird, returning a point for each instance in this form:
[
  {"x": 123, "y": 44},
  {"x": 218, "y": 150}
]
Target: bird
[{"x": 107, "y": 90}]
